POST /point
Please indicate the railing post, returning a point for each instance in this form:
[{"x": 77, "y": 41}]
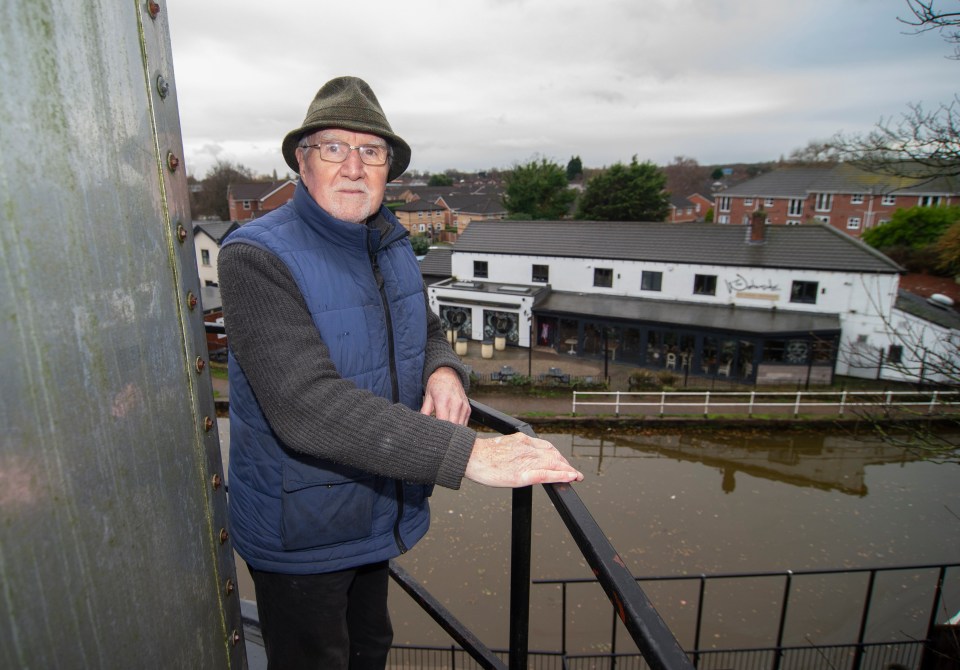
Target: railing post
[
  {"x": 750, "y": 409},
  {"x": 938, "y": 592},
  {"x": 696, "y": 634},
  {"x": 858, "y": 655},
  {"x": 520, "y": 547},
  {"x": 663, "y": 401},
  {"x": 574, "y": 410},
  {"x": 796, "y": 406},
  {"x": 778, "y": 656},
  {"x": 933, "y": 402},
  {"x": 706, "y": 405},
  {"x": 843, "y": 401},
  {"x": 617, "y": 406}
]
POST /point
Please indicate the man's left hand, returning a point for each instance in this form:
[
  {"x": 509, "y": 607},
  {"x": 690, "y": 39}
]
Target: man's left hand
[{"x": 445, "y": 398}]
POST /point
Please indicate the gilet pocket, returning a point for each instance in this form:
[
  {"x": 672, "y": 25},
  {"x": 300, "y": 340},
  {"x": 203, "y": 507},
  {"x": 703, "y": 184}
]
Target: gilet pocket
[{"x": 323, "y": 506}]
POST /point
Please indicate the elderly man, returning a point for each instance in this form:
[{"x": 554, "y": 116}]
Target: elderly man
[{"x": 346, "y": 402}]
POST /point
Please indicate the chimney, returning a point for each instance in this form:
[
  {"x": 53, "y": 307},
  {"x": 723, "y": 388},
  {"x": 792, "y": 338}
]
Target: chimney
[{"x": 758, "y": 224}]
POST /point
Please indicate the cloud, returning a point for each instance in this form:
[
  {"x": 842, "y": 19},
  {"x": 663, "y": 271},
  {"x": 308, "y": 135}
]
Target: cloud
[{"x": 486, "y": 83}]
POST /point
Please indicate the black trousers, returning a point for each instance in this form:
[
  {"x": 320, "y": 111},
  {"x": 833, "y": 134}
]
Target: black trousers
[{"x": 331, "y": 621}]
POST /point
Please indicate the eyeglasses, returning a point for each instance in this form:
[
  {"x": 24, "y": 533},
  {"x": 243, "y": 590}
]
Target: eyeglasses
[{"x": 335, "y": 151}]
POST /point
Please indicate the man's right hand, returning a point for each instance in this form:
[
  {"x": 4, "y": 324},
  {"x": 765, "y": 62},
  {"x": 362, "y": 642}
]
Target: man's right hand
[{"x": 518, "y": 460}]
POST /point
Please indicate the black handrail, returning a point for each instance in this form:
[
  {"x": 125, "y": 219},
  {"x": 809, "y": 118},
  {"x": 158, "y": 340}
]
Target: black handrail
[{"x": 653, "y": 638}]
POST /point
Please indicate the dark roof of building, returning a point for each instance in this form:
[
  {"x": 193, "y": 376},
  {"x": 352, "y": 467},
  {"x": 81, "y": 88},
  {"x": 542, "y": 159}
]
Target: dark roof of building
[
  {"x": 812, "y": 247},
  {"x": 783, "y": 183},
  {"x": 475, "y": 204},
  {"x": 927, "y": 309},
  {"x": 797, "y": 182},
  {"x": 716, "y": 317},
  {"x": 215, "y": 230},
  {"x": 419, "y": 206},
  {"x": 255, "y": 190},
  {"x": 437, "y": 262}
]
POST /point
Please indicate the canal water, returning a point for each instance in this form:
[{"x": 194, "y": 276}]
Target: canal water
[{"x": 703, "y": 501}]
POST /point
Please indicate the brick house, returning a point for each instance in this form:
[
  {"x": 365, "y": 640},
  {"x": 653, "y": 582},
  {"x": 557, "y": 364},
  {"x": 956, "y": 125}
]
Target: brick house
[
  {"x": 462, "y": 209},
  {"x": 421, "y": 217},
  {"x": 843, "y": 197},
  {"x": 689, "y": 208},
  {"x": 248, "y": 201}
]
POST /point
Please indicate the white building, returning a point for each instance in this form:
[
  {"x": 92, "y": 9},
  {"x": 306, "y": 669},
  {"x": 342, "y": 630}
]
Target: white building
[
  {"x": 207, "y": 236},
  {"x": 757, "y": 303}
]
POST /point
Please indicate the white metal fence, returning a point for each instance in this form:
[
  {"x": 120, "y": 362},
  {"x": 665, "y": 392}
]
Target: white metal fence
[{"x": 760, "y": 402}]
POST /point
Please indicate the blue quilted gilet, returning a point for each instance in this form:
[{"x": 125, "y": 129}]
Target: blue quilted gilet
[{"x": 296, "y": 514}]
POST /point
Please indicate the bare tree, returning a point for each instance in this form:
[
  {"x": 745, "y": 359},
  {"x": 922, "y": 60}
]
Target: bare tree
[
  {"x": 927, "y": 17},
  {"x": 923, "y": 144},
  {"x": 817, "y": 152}
]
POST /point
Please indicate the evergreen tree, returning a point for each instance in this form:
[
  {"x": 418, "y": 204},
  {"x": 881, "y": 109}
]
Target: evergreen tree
[
  {"x": 632, "y": 192},
  {"x": 538, "y": 190}
]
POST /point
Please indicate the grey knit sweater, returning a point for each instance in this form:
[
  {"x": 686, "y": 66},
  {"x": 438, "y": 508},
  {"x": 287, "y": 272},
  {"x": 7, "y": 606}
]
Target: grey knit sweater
[{"x": 313, "y": 410}]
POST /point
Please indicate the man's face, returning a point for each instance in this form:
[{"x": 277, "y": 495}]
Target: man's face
[{"x": 350, "y": 191}]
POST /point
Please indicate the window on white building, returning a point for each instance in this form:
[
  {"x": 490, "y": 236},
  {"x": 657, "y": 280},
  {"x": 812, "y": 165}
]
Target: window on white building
[
  {"x": 895, "y": 354},
  {"x": 480, "y": 269},
  {"x": 541, "y": 274},
  {"x": 651, "y": 281},
  {"x": 205, "y": 257},
  {"x": 804, "y": 291},
  {"x": 603, "y": 277},
  {"x": 705, "y": 284}
]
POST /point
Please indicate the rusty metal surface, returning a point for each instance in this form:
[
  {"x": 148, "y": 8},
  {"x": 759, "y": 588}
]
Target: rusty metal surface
[{"x": 110, "y": 542}]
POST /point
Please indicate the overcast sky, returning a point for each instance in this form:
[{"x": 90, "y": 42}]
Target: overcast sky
[{"x": 475, "y": 84}]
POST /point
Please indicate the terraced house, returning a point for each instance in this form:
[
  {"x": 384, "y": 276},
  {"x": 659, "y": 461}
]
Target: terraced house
[
  {"x": 843, "y": 197},
  {"x": 757, "y": 303}
]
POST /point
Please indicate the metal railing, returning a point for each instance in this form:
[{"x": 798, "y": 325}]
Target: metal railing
[
  {"x": 853, "y": 654},
  {"x": 749, "y": 403},
  {"x": 653, "y": 638}
]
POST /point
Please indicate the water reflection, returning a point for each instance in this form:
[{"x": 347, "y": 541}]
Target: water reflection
[{"x": 827, "y": 462}]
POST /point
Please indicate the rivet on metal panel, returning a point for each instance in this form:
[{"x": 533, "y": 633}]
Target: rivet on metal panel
[
  {"x": 181, "y": 233},
  {"x": 235, "y": 638},
  {"x": 207, "y": 424},
  {"x": 163, "y": 88},
  {"x": 224, "y": 536},
  {"x": 191, "y": 300},
  {"x": 153, "y": 9},
  {"x": 200, "y": 364},
  {"x": 172, "y": 162},
  {"x": 228, "y": 587},
  {"x": 215, "y": 482}
]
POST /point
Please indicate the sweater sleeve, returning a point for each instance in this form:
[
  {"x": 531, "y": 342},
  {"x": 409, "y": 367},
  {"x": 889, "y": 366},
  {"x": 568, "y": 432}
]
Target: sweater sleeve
[{"x": 310, "y": 407}]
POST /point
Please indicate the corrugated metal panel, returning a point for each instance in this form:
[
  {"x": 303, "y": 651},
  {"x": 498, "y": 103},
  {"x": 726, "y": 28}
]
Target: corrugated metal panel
[{"x": 110, "y": 551}]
